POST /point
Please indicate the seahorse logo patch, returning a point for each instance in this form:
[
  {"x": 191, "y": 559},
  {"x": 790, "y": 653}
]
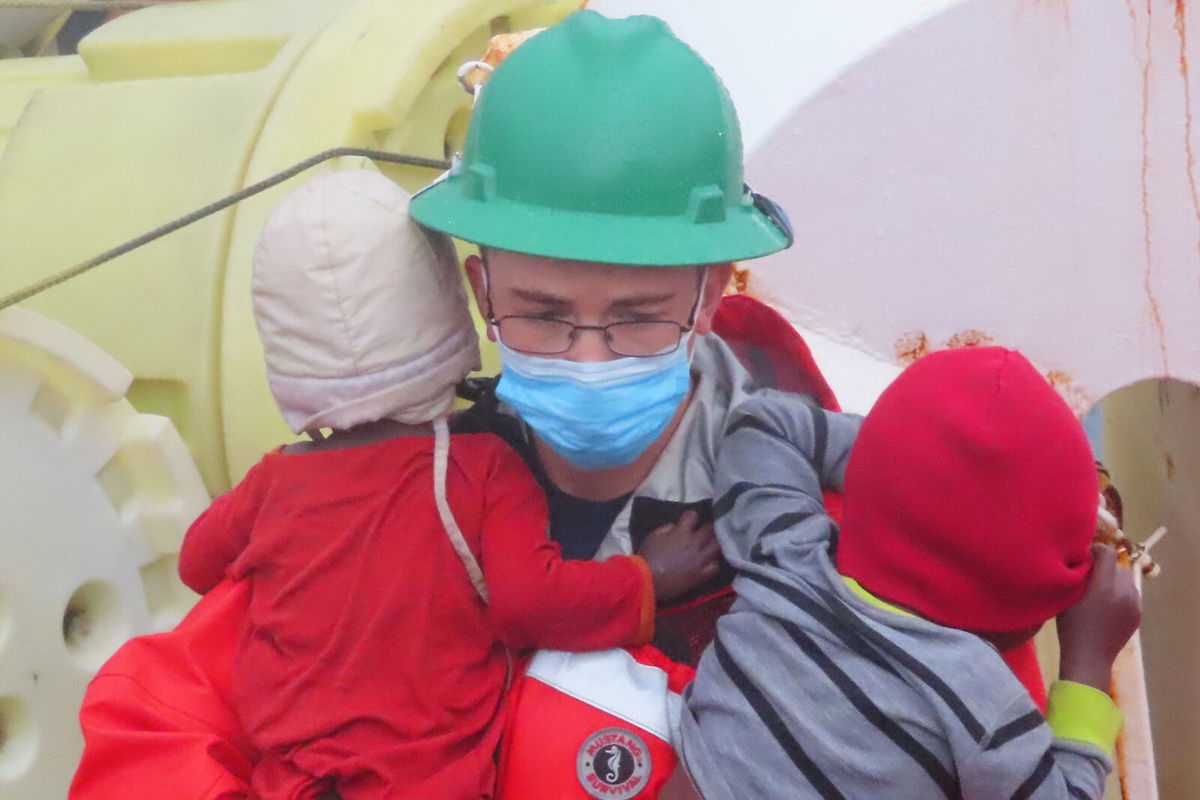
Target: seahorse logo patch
[{"x": 613, "y": 763}]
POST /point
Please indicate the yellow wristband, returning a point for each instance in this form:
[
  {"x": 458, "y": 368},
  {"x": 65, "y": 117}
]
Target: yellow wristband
[{"x": 1083, "y": 714}]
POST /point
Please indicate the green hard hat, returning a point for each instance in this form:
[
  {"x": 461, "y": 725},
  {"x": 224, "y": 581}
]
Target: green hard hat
[{"x": 605, "y": 140}]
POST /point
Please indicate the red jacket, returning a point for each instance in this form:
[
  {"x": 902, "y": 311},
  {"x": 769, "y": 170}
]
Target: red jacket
[{"x": 366, "y": 655}]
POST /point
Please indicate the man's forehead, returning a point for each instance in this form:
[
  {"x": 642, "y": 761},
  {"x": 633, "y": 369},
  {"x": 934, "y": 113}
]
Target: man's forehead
[{"x": 561, "y": 275}]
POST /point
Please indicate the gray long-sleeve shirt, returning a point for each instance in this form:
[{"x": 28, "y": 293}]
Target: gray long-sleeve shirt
[{"x": 810, "y": 690}]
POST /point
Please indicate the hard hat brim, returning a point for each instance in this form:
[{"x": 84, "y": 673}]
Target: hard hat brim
[{"x": 664, "y": 241}]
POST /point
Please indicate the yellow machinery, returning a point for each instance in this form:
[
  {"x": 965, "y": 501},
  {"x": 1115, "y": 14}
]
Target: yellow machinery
[
  {"x": 1034, "y": 161},
  {"x": 163, "y": 111}
]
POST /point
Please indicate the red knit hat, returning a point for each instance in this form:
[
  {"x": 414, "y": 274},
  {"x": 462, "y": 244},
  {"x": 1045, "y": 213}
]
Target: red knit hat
[{"x": 971, "y": 494}]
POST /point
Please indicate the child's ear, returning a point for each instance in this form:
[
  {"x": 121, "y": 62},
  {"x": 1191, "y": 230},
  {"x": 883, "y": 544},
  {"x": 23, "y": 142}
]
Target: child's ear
[
  {"x": 715, "y": 281},
  {"x": 474, "y": 267}
]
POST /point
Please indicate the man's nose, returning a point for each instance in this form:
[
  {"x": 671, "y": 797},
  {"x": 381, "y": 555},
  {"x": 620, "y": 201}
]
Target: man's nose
[{"x": 589, "y": 344}]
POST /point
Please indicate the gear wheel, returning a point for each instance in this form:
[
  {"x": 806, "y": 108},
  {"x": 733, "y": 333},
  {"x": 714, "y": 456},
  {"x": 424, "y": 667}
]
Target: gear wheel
[{"x": 96, "y": 500}]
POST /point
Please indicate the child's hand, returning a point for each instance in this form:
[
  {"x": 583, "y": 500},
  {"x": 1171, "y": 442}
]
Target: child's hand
[
  {"x": 1092, "y": 632},
  {"x": 681, "y": 555}
]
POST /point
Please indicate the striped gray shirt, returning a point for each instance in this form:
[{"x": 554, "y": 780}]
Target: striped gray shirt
[{"x": 810, "y": 691}]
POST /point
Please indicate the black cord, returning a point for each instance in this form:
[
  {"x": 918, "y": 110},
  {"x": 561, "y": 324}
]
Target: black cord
[{"x": 212, "y": 208}]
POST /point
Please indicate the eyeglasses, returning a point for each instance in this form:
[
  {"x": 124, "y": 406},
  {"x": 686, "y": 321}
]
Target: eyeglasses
[
  {"x": 548, "y": 336},
  {"x": 544, "y": 336}
]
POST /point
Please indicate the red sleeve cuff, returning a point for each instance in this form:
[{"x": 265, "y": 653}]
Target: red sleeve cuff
[{"x": 649, "y": 608}]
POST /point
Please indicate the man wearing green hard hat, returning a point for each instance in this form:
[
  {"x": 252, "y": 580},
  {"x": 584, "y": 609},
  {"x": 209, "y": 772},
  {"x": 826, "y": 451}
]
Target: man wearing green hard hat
[{"x": 602, "y": 181}]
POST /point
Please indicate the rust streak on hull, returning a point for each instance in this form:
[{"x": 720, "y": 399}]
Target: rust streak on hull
[
  {"x": 1147, "y": 63},
  {"x": 1181, "y": 29},
  {"x": 1079, "y": 401},
  {"x": 969, "y": 338},
  {"x": 911, "y": 346},
  {"x": 739, "y": 282}
]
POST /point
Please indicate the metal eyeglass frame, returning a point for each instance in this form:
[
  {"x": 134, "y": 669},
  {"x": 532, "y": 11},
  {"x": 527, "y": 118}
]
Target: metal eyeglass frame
[{"x": 492, "y": 320}]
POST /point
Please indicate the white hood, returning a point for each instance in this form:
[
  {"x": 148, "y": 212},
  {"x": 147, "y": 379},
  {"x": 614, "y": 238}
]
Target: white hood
[{"x": 362, "y": 313}]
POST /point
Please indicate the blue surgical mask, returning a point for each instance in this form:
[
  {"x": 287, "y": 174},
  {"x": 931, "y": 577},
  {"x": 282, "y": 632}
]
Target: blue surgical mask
[{"x": 596, "y": 414}]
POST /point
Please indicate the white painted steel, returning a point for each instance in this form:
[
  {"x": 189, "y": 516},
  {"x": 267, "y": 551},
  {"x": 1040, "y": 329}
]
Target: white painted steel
[{"x": 96, "y": 499}]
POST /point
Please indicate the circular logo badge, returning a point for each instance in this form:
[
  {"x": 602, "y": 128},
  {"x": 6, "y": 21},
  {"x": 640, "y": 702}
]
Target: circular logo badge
[{"x": 613, "y": 762}]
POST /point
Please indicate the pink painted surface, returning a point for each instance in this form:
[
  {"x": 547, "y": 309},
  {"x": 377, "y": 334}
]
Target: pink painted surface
[{"x": 1022, "y": 168}]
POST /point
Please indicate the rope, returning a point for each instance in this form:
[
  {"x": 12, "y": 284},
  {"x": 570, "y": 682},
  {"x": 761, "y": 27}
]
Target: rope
[
  {"x": 212, "y": 208},
  {"x": 441, "y": 458},
  {"x": 83, "y": 5}
]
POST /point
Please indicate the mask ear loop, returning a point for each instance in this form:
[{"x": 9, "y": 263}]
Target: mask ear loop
[
  {"x": 691, "y": 323},
  {"x": 487, "y": 287},
  {"x": 701, "y": 282},
  {"x": 490, "y": 318}
]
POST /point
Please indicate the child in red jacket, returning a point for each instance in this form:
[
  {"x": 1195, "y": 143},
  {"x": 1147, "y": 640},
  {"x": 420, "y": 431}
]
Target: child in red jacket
[{"x": 392, "y": 573}]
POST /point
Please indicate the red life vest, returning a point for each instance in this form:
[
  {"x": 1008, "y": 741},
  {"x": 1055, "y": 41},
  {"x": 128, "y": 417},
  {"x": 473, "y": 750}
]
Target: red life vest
[{"x": 592, "y": 725}]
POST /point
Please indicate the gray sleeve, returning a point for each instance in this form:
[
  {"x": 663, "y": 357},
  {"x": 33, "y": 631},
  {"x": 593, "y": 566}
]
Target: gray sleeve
[
  {"x": 823, "y": 438},
  {"x": 1022, "y": 759},
  {"x": 841, "y": 430},
  {"x": 776, "y": 454}
]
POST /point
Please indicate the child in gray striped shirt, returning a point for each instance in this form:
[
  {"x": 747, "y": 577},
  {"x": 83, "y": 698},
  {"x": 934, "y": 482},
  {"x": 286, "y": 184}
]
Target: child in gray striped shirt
[{"x": 864, "y": 663}]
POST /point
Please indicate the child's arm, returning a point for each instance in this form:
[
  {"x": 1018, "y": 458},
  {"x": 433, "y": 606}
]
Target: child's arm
[
  {"x": 839, "y": 430},
  {"x": 824, "y": 437},
  {"x": 1022, "y": 756},
  {"x": 540, "y": 600},
  {"x": 1092, "y": 632},
  {"x": 218, "y": 535},
  {"x": 1069, "y": 757},
  {"x": 775, "y": 456}
]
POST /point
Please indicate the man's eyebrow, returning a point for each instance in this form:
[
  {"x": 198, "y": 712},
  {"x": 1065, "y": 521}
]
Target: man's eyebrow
[
  {"x": 540, "y": 297},
  {"x": 642, "y": 300}
]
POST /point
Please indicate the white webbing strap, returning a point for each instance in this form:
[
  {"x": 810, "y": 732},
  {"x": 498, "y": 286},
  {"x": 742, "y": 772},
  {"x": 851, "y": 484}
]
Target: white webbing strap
[
  {"x": 441, "y": 458},
  {"x": 615, "y": 682}
]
